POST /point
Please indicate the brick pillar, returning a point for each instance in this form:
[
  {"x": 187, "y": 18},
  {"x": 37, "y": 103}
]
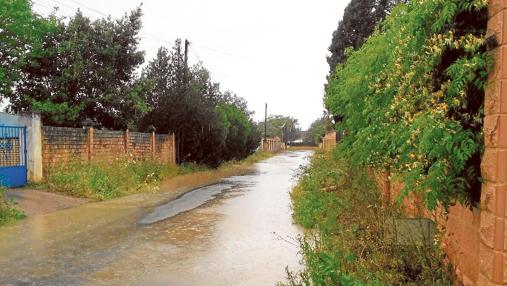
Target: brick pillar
[
  {"x": 126, "y": 141},
  {"x": 153, "y": 147},
  {"x": 173, "y": 148},
  {"x": 492, "y": 251},
  {"x": 90, "y": 144}
]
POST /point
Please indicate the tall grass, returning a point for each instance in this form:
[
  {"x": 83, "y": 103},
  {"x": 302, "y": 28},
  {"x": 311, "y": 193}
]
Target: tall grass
[
  {"x": 107, "y": 180},
  {"x": 346, "y": 241},
  {"x": 8, "y": 212}
]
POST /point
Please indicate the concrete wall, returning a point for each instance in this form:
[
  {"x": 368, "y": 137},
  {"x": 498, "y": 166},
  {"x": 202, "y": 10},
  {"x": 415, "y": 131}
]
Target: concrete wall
[
  {"x": 62, "y": 145},
  {"x": 33, "y": 124}
]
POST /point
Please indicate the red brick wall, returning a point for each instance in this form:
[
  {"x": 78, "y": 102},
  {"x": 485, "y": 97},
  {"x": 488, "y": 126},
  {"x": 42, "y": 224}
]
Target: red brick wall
[
  {"x": 329, "y": 141},
  {"x": 461, "y": 228},
  {"x": 108, "y": 145},
  {"x": 61, "y": 145}
]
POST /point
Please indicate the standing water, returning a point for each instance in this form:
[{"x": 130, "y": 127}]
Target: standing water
[{"x": 236, "y": 232}]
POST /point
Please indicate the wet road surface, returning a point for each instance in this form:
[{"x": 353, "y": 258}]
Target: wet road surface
[{"x": 236, "y": 232}]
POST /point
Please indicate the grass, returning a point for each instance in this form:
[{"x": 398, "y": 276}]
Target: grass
[
  {"x": 346, "y": 242},
  {"x": 107, "y": 180},
  {"x": 8, "y": 212}
]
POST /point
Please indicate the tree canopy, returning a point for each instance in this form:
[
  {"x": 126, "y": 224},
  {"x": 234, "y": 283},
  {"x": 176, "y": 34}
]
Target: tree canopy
[
  {"x": 359, "y": 21},
  {"x": 77, "y": 72},
  {"x": 285, "y": 127}
]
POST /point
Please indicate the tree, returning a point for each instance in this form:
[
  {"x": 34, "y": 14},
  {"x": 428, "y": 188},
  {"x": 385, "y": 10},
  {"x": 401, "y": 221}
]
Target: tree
[
  {"x": 86, "y": 70},
  {"x": 21, "y": 33},
  {"x": 359, "y": 21},
  {"x": 285, "y": 127},
  {"x": 211, "y": 126}
]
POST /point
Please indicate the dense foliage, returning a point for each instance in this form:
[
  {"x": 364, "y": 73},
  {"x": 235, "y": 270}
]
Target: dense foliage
[
  {"x": 21, "y": 34},
  {"x": 348, "y": 242},
  {"x": 78, "y": 72},
  {"x": 411, "y": 98},
  {"x": 359, "y": 20},
  {"x": 85, "y": 70}
]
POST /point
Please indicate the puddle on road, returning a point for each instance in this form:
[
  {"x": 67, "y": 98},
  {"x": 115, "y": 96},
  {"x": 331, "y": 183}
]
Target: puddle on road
[
  {"x": 196, "y": 198},
  {"x": 237, "y": 232}
]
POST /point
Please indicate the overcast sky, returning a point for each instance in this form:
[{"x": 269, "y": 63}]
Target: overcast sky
[{"x": 267, "y": 51}]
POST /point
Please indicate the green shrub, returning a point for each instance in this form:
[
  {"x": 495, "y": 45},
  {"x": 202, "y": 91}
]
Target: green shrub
[{"x": 345, "y": 243}]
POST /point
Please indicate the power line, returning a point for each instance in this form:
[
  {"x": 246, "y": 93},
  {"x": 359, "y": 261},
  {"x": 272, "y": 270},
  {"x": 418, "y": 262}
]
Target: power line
[{"x": 90, "y": 8}]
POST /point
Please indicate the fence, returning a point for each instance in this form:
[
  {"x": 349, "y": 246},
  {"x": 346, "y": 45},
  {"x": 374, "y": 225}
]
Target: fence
[{"x": 60, "y": 145}]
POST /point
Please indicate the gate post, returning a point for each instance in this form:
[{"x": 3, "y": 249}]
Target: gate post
[{"x": 492, "y": 247}]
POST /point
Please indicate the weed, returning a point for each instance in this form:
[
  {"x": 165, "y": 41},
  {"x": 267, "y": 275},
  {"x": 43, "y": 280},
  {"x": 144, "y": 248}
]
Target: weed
[{"x": 8, "y": 212}]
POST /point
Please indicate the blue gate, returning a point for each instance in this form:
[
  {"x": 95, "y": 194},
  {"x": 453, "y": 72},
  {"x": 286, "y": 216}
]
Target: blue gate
[{"x": 13, "y": 170}]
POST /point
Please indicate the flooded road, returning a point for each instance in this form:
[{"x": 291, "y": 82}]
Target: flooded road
[{"x": 236, "y": 232}]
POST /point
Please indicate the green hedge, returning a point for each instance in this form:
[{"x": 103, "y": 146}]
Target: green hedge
[{"x": 411, "y": 98}]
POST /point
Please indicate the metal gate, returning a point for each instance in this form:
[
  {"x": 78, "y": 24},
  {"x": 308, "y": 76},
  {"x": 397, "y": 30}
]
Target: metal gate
[{"x": 13, "y": 170}]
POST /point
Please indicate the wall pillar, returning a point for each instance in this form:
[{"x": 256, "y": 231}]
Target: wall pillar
[
  {"x": 173, "y": 148},
  {"x": 126, "y": 141},
  {"x": 492, "y": 250},
  {"x": 153, "y": 147},
  {"x": 90, "y": 144}
]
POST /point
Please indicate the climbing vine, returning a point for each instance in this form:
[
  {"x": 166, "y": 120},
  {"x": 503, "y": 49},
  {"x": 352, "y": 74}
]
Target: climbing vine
[{"x": 411, "y": 98}]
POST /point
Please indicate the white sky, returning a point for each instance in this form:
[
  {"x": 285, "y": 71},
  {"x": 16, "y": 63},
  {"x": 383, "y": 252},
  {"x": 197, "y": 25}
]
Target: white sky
[{"x": 270, "y": 51}]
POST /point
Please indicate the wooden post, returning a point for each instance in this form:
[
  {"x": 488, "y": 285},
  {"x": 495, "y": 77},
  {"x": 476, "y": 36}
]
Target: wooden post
[{"x": 90, "y": 144}]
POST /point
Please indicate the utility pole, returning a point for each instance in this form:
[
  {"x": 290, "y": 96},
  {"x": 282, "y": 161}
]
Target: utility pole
[
  {"x": 187, "y": 43},
  {"x": 266, "y": 122},
  {"x": 185, "y": 83}
]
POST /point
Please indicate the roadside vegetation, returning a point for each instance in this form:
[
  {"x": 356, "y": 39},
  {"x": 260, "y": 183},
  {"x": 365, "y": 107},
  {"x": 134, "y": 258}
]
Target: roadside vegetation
[
  {"x": 346, "y": 241},
  {"x": 108, "y": 180},
  {"x": 8, "y": 211},
  {"x": 410, "y": 99}
]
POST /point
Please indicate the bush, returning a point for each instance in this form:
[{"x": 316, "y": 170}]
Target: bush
[{"x": 346, "y": 241}]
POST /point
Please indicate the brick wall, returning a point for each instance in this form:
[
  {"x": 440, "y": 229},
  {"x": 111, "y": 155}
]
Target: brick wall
[
  {"x": 461, "y": 227},
  {"x": 329, "y": 141},
  {"x": 61, "y": 145},
  {"x": 272, "y": 144},
  {"x": 493, "y": 245},
  {"x": 475, "y": 240}
]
